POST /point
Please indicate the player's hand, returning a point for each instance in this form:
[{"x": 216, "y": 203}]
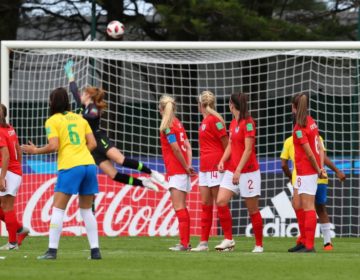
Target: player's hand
[
  {"x": 29, "y": 149},
  {"x": 290, "y": 185},
  {"x": 323, "y": 174},
  {"x": 236, "y": 178},
  {"x": 341, "y": 176},
  {"x": 190, "y": 171},
  {"x": 69, "y": 70},
  {"x": 221, "y": 167},
  {"x": 2, "y": 185}
]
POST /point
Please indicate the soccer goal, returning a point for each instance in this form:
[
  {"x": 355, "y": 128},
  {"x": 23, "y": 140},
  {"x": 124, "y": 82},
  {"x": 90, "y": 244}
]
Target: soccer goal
[{"x": 135, "y": 75}]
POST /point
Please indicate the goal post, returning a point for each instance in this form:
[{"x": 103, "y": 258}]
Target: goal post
[{"x": 134, "y": 76}]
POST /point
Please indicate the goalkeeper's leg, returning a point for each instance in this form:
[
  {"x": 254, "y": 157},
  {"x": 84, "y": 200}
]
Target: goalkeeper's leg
[
  {"x": 108, "y": 168},
  {"x": 115, "y": 155}
]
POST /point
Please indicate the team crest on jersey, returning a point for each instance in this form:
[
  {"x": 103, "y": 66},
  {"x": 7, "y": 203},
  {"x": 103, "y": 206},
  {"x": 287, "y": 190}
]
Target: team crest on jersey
[
  {"x": 11, "y": 132},
  {"x": 203, "y": 127},
  {"x": 48, "y": 130},
  {"x": 167, "y": 131}
]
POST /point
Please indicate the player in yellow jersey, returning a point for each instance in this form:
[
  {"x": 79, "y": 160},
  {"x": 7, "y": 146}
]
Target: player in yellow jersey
[
  {"x": 70, "y": 135},
  {"x": 287, "y": 154}
]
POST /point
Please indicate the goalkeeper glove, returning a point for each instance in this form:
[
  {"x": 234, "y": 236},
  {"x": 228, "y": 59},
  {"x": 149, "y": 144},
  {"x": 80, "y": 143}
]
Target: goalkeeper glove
[{"x": 68, "y": 70}]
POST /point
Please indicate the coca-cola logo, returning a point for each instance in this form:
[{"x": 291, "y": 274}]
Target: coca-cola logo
[{"x": 119, "y": 209}]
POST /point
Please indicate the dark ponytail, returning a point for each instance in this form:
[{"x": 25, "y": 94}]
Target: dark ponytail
[
  {"x": 239, "y": 100},
  {"x": 3, "y": 114}
]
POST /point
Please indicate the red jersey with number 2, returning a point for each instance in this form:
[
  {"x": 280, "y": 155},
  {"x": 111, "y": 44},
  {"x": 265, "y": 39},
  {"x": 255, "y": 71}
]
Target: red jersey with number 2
[
  {"x": 211, "y": 149},
  {"x": 238, "y": 132},
  {"x": 176, "y": 131},
  {"x": 9, "y": 139},
  {"x": 303, "y": 135}
]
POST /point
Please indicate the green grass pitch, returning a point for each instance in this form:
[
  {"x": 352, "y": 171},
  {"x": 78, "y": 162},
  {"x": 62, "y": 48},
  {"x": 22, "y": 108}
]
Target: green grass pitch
[{"x": 148, "y": 258}]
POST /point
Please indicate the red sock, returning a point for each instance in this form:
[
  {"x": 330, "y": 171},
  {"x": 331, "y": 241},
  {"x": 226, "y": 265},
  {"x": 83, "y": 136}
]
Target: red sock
[
  {"x": 225, "y": 221},
  {"x": 2, "y": 218},
  {"x": 19, "y": 223},
  {"x": 206, "y": 222},
  {"x": 11, "y": 225},
  {"x": 184, "y": 226},
  {"x": 300, "y": 215},
  {"x": 257, "y": 224},
  {"x": 310, "y": 227},
  {"x": 2, "y": 215}
]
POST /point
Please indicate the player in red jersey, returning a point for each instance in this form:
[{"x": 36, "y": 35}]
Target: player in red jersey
[
  {"x": 288, "y": 154},
  {"x": 242, "y": 176},
  {"x": 309, "y": 162},
  {"x": 213, "y": 140},
  {"x": 177, "y": 155},
  {"x": 10, "y": 180}
]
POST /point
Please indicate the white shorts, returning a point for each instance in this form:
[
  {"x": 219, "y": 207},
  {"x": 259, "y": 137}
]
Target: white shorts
[
  {"x": 249, "y": 185},
  {"x": 13, "y": 182},
  {"x": 210, "y": 179},
  {"x": 180, "y": 182},
  {"x": 307, "y": 184}
]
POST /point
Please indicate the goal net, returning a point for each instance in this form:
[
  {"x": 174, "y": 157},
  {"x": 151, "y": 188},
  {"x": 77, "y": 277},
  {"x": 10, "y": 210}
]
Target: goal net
[{"x": 134, "y": 77}]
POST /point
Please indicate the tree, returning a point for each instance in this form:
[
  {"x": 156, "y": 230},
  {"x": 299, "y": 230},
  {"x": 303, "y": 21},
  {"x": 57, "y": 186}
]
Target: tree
[
  {"x": 52, "y": 19},
  {"x": 9, "y": 18},
  {"x": 244, "y": 20}
]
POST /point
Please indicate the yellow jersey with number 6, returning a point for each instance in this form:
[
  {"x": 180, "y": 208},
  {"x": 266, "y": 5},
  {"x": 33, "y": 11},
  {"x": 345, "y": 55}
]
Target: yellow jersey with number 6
[{"x": 71, "y": 129}]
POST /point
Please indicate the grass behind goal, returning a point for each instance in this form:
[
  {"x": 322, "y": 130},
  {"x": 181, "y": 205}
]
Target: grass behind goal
[{"x": 148, "y": 258}]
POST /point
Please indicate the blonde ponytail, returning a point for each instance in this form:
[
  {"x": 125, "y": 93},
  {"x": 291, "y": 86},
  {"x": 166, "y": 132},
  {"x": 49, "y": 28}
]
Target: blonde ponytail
[
  {"x": 167, "y": 104},
  {"x": 207, "y": 100}
]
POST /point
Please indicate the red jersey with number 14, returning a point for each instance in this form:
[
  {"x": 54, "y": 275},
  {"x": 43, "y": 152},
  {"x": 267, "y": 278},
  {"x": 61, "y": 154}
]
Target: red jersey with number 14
[
  {"x": 238, "y": 132},
  {"x": 172, "y": 164},
  {"x": 211, "y": 150},
  {"x": 9, "y": 139},
  {"x": 303, "y": 135}
]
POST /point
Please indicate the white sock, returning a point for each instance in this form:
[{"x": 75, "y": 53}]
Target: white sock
[
  {"x": 325, "y": 230},
  {"x": 91, "y": 227},
  {"x": 56, "y": 224}
]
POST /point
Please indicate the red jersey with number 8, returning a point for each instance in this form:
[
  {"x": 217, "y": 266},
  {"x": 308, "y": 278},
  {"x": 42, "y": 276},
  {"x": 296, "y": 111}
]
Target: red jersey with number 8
[
  {"x": 303, "y": 135},
  {"x": 238, "y": 132},
  {"x": 176, "y": 132},
  {"x": 9, "y": 139},
  {"x": 211, "y": 149}
]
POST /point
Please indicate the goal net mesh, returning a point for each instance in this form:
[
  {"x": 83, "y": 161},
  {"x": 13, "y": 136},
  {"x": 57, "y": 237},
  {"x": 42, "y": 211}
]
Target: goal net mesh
[{"x": 134, "y": 80}]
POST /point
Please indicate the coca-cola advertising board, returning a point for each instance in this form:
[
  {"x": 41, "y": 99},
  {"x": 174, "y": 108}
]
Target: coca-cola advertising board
[{"x": 119, "y": 209}]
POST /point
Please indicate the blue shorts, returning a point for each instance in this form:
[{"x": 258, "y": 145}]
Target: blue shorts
[
  {"x": 321, "y": 194},
  {"x": 78, "y": 180}
]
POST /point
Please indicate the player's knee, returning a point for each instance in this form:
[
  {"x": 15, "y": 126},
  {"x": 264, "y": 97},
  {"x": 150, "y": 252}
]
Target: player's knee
[
  {"x": 253, "y": 210},
  {"x": 320, "y": 208},
  {"x": 6, "y": 207},
  {"x": 221, "y": 202}
]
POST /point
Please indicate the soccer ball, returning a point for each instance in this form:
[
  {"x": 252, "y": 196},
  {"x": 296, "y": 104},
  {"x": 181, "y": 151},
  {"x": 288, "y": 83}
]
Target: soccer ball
[{"x": 115, "y": 29}]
